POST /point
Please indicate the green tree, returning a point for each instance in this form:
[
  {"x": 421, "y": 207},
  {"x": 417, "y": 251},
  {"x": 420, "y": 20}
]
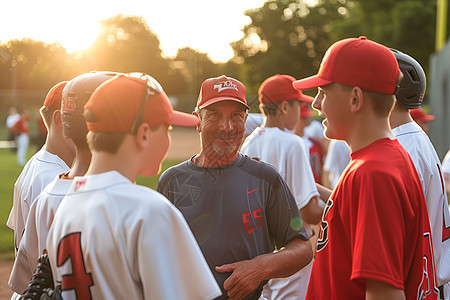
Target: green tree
[
  {"x": 38, "y": 65},
  {"x": 286, "y": 36},
  {"x": 406, "y": 25},
  {"x": 126, "y": 44},
  {"x": 195, "y": 67}
]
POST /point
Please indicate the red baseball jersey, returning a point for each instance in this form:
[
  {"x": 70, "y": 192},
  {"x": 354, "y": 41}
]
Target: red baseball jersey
[{"x": 375, "y": 226}]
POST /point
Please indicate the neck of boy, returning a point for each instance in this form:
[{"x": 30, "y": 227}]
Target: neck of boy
[
  {"x": 274, "y": 121},
  {"x": 366, "y": 133},
  {"x": 81, "y": 163},
  {"x": 103, "y": 162},
  {"x": 399, "y": 116}
]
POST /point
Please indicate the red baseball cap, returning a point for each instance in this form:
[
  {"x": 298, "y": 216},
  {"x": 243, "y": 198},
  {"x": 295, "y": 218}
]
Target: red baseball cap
[
  {"x": 419, "y": 115},
  {"x": 279, "y": 88},
  {"x": 220, "y": 89},
  {"x": 54, "y": 96},
  {"x": 117, "y": 101},
  {"x": 356, "y": 62},
  {"x": 306, "y": 111}
]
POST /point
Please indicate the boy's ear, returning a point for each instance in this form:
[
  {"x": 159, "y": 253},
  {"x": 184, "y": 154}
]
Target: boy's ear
[
  {"x": 356, "y": 99},
  {"x": 283, "y": 107},
  {"x": 143, "y": 135},
  {"x": 56, "y": 118}
]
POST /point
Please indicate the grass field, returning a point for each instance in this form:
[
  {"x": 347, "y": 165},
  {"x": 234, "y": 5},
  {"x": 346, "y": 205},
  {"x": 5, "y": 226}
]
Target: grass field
[{"x": 9, "y": 171}]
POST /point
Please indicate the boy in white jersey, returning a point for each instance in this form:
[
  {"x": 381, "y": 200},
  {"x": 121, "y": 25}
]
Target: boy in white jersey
[
  {"x": 42, "y": 211},
  {"x": 54, "y": 158},
  {"x": 280, "y": 103},
  {"x": 112, "y": 239},
  {"x": 414, "y": 139}
]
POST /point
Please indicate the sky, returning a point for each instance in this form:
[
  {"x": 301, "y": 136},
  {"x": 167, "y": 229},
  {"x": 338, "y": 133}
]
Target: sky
[{"x": 205, "y": 25}]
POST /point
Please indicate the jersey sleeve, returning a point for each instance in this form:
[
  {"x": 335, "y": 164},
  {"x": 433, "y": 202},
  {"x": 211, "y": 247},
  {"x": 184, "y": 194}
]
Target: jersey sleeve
[
  {"x": 300, "y": 178},
  {"x": 27, "y": 255},
  {"x": 176, "y": 268},
  {"x": 284, "y": 221},
  {"x": 446, "y": 163},
  {"x": 377, "y": 229}
]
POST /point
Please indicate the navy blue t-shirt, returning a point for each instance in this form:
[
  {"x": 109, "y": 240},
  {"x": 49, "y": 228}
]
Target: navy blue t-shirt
[{"x": 236, "y": 212}]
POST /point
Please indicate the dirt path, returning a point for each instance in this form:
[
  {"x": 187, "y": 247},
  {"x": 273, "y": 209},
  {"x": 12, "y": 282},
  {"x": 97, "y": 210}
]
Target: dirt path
[{"x": 185, "y": 143}]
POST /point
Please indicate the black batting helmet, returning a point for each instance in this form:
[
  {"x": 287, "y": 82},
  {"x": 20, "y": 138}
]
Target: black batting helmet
[
  {"x": 412, "y": 87},
  {"x": 75, "y": 94}
]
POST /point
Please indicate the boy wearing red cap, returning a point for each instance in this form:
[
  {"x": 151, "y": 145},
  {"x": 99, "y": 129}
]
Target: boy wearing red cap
[
  {"x": 271, "y": 143},
  {"x": 110, "y": 238},
  {"x": 421, "y": 118},
  {"x": 54, "y": 158},
  {"x": 240, "y": 210},
  {"x": 40, "y": 217},
  {"x": 375, "y": 239}
]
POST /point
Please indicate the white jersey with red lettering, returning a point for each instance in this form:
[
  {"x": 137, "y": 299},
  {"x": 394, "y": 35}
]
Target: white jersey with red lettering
[
  {"x": 446, "y": 163},
  {"x": 428, "y": 166},
  {"x": 288, "y": 154},
  {"x": 38, "y": 172},
  {"x": 112, "y": 239},
  {"x": 40, "y": 218}
]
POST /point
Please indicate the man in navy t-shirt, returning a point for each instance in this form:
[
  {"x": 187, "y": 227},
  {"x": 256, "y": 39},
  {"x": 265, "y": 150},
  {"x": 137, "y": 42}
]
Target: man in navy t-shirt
[{"x": 240, "y": 210}]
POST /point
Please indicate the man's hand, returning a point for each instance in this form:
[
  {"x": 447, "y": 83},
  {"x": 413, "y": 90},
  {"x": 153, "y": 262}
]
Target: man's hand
[{"x": 246, "y": 276}]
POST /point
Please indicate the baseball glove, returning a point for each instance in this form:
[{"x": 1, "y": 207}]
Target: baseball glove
[{"x": 41, "y": 279}]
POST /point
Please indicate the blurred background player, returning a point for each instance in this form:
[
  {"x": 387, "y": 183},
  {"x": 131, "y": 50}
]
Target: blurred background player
[
  {"x": 21, "y": 130},
  {"x": 13, "y": 117},
  {"x": 126, "y": 241},
  {"x": 42, "y": 211},
  {"x": 54, "y": 158},
  {"x": 418, "y": 145},
  {"x": 240, "y": 210},
  {"x": 280, "y": 104},
  {"x": 315, "y": 150},
  {"x": 421, "y": 118}
]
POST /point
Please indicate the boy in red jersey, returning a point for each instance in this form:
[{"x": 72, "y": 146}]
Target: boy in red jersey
[{"x": 375, "y": 240}]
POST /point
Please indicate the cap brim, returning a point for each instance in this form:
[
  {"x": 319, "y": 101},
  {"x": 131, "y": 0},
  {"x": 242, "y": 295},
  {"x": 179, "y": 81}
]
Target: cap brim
[
  {"x": 218, "y": 99},
  {"x": 306, "y": 98},
  {"x": 310, "y": 83},
  {"x": 183, "y": 119},
  {"x": 428, "y": 118}
]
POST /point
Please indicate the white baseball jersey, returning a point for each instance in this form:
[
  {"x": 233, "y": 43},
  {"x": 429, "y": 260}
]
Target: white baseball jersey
[
  {"x": 446, "y": 163},
  {"x": 34, "y": 239},
  {"x": 288, "y": 154},
  {"x": 11, "y": 120},
  {"x": 314, "y": 130},
  {"x": 112, "y": 239},
  {"x": 428, "y": 166},
  {"x": 337, "y": 159},
  {"x": 253, "y": 121},
  {"x": 38, "y": 172}
]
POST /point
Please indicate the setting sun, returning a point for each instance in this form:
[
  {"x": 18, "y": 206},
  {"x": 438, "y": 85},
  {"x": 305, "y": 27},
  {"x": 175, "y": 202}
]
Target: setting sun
[{"x": 207, "y": 26}]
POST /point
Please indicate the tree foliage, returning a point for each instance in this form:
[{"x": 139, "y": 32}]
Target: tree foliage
[
  {"x": 286, "y": 36},
  {"x": 290, "y": 37},
  {"x": 37, "y": 65}
]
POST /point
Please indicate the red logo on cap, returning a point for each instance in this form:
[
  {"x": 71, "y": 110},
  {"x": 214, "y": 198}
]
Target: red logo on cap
[
  {"x": 69, "y": 104},
  {"x": 226, "y": 85}
]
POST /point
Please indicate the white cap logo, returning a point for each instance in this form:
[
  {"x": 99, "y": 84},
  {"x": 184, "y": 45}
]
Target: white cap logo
[{"x": 225, "y": 85}]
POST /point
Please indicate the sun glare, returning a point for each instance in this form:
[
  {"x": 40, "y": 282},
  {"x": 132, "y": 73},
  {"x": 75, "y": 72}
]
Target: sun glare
[{"x": 204, "y": 25}]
